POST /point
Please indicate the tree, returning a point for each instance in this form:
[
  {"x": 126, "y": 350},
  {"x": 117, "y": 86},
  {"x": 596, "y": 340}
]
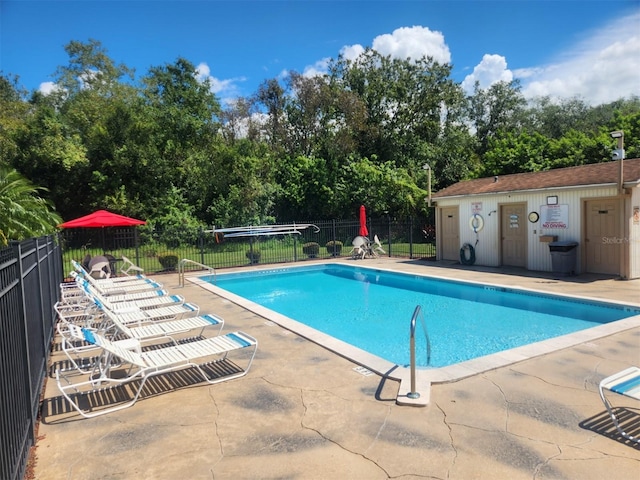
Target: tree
[
  {"x": 13, "y": 115},
  {"x": 50, "y": 150},
  {"x": 23, "y": 213},
  {"x": 181, "y": 116},
  {"x": 404, "y": 102},
  {"x": 90, "y": 68},
  {"x": 271, "y": 95},
  {"x": 497, "y": 108}
]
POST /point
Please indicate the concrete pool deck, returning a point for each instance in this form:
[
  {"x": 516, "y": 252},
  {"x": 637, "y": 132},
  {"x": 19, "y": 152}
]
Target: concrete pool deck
[{"x": 305, "y": 412}]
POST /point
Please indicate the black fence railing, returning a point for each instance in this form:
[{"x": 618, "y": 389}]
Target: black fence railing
[
  {"x": 30, "y": 275},
  {"x": 159, "y": 251}
]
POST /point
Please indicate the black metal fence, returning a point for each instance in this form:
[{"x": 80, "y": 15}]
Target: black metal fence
[
  {"x": 30, "y": 275},
  {"x": 159, "y": 251}
]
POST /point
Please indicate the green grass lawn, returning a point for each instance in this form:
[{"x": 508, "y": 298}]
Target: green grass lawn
[{"x": 234, "y": 254}]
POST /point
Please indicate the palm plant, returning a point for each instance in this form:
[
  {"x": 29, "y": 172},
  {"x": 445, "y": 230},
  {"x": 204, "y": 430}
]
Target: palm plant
[{"x": 23, "y": 213}]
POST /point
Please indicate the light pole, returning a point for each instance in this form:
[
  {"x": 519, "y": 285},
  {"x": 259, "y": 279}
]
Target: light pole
[
  {"x": 618, "y": 154},
  {"x": 427, "y": 167}
]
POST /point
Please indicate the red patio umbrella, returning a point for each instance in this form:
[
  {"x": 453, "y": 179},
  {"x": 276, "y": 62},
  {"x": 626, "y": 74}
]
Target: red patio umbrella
[
  {"x": 363, "y": 222},
  {"x": 102, "y": 218}
]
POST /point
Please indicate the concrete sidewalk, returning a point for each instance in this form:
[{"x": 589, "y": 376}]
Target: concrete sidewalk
[{"x": 304, "y": 412}]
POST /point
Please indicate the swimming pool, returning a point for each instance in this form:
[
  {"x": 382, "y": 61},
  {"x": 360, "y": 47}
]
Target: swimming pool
[{"x": 371, "y": 309}]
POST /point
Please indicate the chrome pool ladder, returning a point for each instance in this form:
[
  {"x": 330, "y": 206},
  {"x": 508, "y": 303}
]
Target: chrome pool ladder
[
  {"x": 184, "y": 261},
  {"x": 412, "y": 348}
]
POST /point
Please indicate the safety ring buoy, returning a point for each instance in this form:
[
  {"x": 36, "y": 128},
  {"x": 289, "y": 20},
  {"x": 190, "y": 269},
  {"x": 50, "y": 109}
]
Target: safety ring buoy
[
  {"x": 476, "y": 222},
  {"x": 463, "y": 254}
]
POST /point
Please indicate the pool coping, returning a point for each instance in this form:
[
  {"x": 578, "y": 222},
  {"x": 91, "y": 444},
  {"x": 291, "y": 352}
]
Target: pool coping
[{"x": 416, "y": 391}]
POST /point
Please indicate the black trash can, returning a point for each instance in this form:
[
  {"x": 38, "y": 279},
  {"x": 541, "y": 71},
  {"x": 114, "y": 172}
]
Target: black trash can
[{"x": 563, "y": 257}]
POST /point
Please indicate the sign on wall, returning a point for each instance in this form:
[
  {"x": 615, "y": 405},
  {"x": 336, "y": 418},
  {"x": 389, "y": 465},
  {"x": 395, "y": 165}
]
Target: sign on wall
[{"x": 554, "y": 216}]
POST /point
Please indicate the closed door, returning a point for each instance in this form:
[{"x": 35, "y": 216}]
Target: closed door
[
  {"x": 513, "y": 226},
  {"x": 602, "y": 237},
  {"x": 449, "y": 233}
]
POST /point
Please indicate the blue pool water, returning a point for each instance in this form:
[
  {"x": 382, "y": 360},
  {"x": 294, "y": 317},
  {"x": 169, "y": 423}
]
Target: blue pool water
[{"x": 372, "y": 309}]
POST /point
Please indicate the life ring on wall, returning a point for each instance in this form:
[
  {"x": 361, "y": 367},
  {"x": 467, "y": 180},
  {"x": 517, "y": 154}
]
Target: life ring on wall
[
  {"x": 476, "y": 222},
  {"x": 463, "y": 254}
]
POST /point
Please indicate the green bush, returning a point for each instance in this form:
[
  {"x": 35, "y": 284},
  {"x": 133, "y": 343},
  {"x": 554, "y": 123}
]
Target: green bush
[
  {"x": 334, "y": 248},
  {"x": 168, "y": 260},
  {"x": 311, "y": 249},
  {"x": 253, "y": 255}
]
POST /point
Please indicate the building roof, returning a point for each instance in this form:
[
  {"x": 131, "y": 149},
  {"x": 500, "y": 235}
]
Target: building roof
[{"x": 593, "y": 174}]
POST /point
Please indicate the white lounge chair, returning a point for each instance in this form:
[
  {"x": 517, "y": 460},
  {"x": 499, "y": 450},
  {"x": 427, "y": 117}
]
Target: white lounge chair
[
  {"x": 625, "y": 383},
  {"x": 127, "y": 301},
  {"x": 378, "y": 246},
  {"x": 126, "y": 280},
  {"x": 99, "y": 268},
  {"x": 128, "y": 266},
  {"x": 114, "y": 286},
  {"x": 75, "y": 348},
  {"x": 71, "y": 292},
  {"x": 360, "y": 247},
  {"x": 146, "y": 364}
]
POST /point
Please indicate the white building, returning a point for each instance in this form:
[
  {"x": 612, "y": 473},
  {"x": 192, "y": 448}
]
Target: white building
[{"x": 511, "y": 220}]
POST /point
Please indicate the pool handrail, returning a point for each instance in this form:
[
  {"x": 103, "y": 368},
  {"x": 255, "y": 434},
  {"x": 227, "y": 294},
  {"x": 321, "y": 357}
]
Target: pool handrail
[
  {"x": 412, "y": 349},
  {"x": 184, "y": 261}
]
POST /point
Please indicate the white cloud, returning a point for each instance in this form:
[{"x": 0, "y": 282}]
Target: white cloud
[
  {"x": 47, "y": 88},
  {"x": 601, "y": 69},
  {"x": 318, "y": 68},
  {"x": 406, "y": 42},
  {"x": 414, "y": 42},
  {"x": 227, "y": 89},
  {"x": 492, "y": 69},
  {"x": 351, "y": 52}
]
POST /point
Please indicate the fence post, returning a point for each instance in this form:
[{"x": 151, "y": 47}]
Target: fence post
[
  {"x": 295, "y": 249},
  {"x": 389, "y": 234},
  {"x": 201, "y": 242},
  {"x": 411, "y": 237},
  {"x": 333, "y": 233},
  {"x": 137, "y": 243},
  {"x": 22, "y": 311}
]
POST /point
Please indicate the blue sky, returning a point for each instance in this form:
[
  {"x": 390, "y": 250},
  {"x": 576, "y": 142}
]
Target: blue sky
[{"x": 561, "y": 48}]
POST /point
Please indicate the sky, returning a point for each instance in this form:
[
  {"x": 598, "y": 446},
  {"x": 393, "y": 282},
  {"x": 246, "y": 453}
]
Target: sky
[{"x": 559, "y": 48}]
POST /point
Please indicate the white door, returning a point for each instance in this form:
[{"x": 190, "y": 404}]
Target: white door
[
  {"x": 513, "y": 226},
  {"x": 449, "y": 233},
  {"x": 602, "y": 237}
]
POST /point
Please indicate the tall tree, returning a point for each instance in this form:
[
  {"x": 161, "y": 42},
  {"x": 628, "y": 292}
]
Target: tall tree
[
  {"x": 493, "y": 109},
  {"x": 13, "y": 114},
  {"x": 405, "y": 101}
]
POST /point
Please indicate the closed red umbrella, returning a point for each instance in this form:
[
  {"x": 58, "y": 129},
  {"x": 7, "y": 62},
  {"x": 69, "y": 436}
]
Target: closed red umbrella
[{"x": 363, "y": 222}]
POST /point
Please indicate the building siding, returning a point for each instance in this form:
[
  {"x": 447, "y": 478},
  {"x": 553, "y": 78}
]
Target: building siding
[
  {"x": 634, "y": 236},
  {"x": 487, "y": 241}
]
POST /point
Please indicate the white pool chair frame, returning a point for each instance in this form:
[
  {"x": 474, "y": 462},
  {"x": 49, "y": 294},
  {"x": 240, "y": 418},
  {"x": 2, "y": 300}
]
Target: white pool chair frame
[
  {"x": 128, "y": 266},
  {"x": 145, "y": 365},
  {"x": 378, "y": 246},
  {"x": 627, "y": 384},
  {"x": 74, "y": 347},
  {"x": 127, "y": 283},
  {"x": 127, "y": 301}
]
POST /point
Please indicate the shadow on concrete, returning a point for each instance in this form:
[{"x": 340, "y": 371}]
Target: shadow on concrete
[{"x": 603, "y": 425}]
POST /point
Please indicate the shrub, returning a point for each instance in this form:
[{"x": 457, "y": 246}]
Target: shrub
[
  {"x": 168, "y": 260},
  {"x": 253, "y": 255},
  {"x": 311, "y": 249},
  {"x": 334, "y": 248}
]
